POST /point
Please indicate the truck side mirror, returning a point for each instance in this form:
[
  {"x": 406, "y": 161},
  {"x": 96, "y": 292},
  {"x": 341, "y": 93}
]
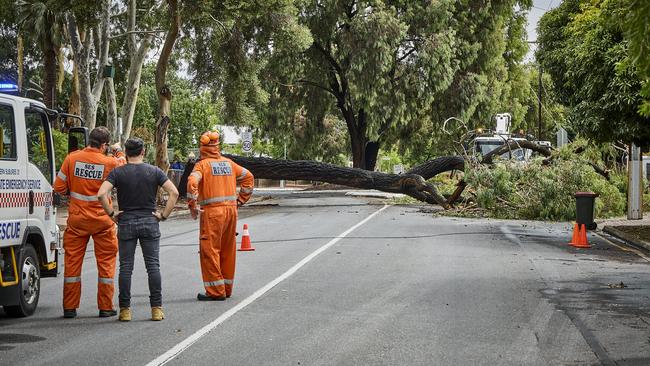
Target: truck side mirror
[{"x": 77, "y": 138}]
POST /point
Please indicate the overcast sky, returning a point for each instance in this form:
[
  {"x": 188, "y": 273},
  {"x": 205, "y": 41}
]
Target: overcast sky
[{"x": 539, "y": 8}]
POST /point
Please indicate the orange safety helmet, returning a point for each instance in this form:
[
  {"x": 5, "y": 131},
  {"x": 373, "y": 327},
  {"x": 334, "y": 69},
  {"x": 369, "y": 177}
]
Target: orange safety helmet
[{"x": 210, "y": 138}]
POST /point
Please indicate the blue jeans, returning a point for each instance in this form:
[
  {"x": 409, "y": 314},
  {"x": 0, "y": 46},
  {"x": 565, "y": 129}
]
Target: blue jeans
[{"x": 147, "y": 231}]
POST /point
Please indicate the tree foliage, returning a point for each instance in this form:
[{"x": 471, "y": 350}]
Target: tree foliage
[
  {"x": 582, "y": 47},
  {"x": 538, "y": 191},
  {"x": 374, "y": 64},
  {"x": 637, "y": 30}
]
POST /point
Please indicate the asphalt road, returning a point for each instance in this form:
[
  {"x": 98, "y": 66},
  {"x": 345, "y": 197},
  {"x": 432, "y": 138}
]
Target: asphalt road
[{"x": 401, "y": 288}]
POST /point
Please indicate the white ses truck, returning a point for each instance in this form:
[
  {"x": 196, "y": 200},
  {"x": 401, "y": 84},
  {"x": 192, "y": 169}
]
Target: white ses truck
[
  {"x": 30, "y": 242},
  {"x": 484, "y": 143}
]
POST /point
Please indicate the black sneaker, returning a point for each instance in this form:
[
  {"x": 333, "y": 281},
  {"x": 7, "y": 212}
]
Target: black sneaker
[
  {"x": 107, "y": 313},
  {"x": 204, "y": 297},
  {"x": 69, "y": 313}
]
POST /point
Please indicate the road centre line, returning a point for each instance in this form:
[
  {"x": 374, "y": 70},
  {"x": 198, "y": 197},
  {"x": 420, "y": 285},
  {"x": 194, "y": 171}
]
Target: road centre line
[{"x": 189, "y": 341}]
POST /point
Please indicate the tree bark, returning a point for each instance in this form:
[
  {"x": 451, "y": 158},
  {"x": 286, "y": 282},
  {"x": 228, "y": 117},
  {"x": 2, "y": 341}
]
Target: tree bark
[
  {"x": 439, "y": 165},
  {"x": 89, "y": 93},
  {"x": 164, "y": 92},
  {"x": 357, "y": 130},
  {"x": 358, "y": 144},
  {"x": 162, "y": 126},
  {"x": 133, "y": 87},
  {"x": 74, "y": 106},
  {"x": 60, "y": 75},
  {"x": 138, "y": 54},
  {"x": 371, "y": 152},
  {"x": 49, "y": 78},
  {"x": 20, "y": 49},
  {"x": 87, "y": 103},
  {"x": 111, "y": 109},
  {"x": 410, "y": 184}
]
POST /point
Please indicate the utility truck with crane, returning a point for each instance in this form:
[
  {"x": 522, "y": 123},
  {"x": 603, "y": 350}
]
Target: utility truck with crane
[{"x": 485, "y": 142}]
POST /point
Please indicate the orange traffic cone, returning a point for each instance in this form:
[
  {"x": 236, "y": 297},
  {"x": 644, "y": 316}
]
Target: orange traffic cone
[
  {"x": 246, "y": 241},
  {"x": 576, "y": 235},
  {"x": 582, "y": 239}
]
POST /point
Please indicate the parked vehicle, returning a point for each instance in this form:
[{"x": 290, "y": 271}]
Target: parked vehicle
[
  {"x": 486, "y": 142},
  {"x": 30, "y": 241}
]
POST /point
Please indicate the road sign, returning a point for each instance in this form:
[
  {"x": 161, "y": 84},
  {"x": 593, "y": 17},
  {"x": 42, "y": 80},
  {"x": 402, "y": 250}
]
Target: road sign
[
  {"x": 247, "y": 141},
  {"x": 247, "y": 146}
]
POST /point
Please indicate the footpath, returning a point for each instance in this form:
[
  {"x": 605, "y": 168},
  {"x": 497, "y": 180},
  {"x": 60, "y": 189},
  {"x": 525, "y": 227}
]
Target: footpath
[{"x": 633, "y": 232}]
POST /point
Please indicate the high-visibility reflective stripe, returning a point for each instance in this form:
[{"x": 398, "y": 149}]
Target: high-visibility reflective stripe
[
  {"x": 192, "y": 196},
  {"x": 218, "y": 199},
  {"x": 62, "y": 176},
  {"x": 108, "y": 281},
  {"x": 197, "y": 175},
  {"x": 214, "y": 283},
  {"x": 228, "y": 282},
  {"x": 246, "y": 190},
  {"x": 83, "y": 197},
  {"x": 242, "y": 175},
  {"x": 71, "y": 279}
]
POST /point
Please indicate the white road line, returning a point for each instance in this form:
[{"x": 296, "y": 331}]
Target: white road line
[{"x": 187, "y": 342}]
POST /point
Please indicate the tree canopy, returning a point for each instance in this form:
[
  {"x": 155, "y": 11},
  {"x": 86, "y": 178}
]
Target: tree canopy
[
  {"x": 584, "y": 48},
  {"x": 332, "y": 81}
]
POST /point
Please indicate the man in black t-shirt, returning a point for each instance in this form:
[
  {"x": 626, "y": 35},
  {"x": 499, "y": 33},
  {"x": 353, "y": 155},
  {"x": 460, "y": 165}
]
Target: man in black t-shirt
[{"x": 137, "y": 186}]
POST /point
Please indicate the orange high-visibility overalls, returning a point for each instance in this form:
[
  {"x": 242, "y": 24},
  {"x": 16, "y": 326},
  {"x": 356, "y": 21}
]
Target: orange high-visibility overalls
[
  {"x": 81, "y": 175},
  {"x": 213, "y": 185}
]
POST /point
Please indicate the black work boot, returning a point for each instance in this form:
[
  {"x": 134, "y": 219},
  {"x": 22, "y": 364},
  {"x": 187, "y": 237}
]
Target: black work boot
[
  {"x": 205, "y": 297},
  {"x": 69, "y": 313},
  {"x": 107, "y": 313}
]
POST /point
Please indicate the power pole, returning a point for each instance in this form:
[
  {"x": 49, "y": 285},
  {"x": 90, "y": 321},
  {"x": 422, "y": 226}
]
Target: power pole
[
  {"x": 539, "y": 96},
  {"x": 539, "y": 104},
  {"x": 635, "y": 183}
]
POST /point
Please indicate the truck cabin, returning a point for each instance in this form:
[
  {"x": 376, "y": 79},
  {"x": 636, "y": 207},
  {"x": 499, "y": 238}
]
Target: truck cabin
[{"x": 484, "y": 145}]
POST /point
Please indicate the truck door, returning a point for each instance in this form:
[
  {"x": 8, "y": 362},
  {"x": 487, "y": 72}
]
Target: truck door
[
  {"x": 40, "y": 174},
  {"x": 13, "y": 198}
]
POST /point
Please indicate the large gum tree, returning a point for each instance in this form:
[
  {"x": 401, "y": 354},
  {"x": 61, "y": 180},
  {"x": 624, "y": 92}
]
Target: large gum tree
[{"x": 377, "y": 65}]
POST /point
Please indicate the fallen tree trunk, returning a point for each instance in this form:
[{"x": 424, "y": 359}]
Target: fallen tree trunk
[
  {"x": 439, "y": 165},
  {"x": 412, "y": 185}
]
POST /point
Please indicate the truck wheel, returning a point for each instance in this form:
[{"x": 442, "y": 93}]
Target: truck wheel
[{"x": 29, "y": 285}]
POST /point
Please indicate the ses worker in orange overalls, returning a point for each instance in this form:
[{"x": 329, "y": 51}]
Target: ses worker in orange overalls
[
  {"x": 213, "y": 185},
  {"x": 81, "y": 175}
]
